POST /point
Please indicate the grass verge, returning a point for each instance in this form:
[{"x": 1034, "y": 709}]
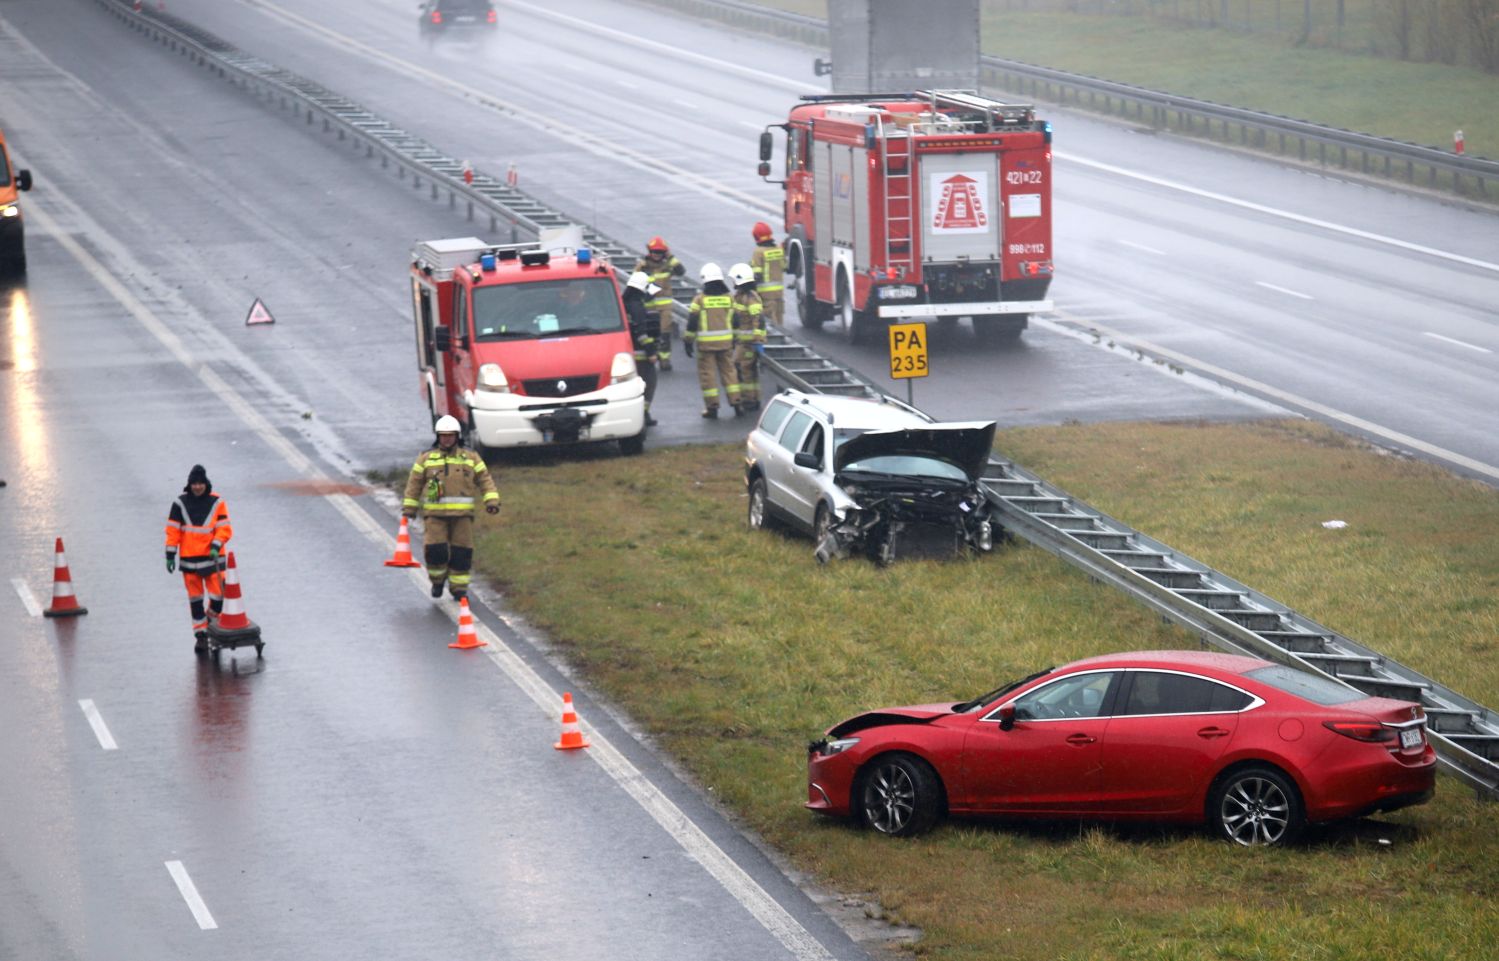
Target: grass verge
[{"x": 734, "y": 648}]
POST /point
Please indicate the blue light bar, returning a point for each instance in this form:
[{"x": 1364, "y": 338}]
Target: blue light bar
[
  {"x": 486, "y": 260},
  {"x": 585, "y": 256}
]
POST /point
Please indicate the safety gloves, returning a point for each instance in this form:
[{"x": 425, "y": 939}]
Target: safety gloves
[{"x": 171, "y": 563}]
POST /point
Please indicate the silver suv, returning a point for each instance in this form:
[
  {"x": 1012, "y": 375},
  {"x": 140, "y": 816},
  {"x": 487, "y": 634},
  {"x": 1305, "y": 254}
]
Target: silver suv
[{"x": 868, "y": 476}]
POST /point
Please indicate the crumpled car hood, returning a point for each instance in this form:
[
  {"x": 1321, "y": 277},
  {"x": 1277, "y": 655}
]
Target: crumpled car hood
[
  {"x": 916, "y": 714},
  {"x": 966, "y": 444}
]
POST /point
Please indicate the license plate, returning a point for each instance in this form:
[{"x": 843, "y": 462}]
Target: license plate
[
  {"x": 1409, "y": 738},
  {"x": 898, "y": 292}
]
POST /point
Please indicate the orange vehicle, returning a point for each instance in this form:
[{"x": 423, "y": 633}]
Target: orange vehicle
[{"x": 12, "y": 227}]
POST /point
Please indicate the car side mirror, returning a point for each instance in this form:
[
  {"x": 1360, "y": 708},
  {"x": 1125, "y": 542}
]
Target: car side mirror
[
  {"x": 442, "y": 339},
  {"x": 23, "y": 179},
  {"x": 807, "y": 459},
  {"x": 1007, "y": 717}
]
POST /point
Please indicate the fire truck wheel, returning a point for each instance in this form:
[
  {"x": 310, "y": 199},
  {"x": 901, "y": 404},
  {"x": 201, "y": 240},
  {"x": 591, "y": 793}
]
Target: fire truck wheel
[
  {"x": 856, "y": 323},
  {"x": 813, "y": 315}
]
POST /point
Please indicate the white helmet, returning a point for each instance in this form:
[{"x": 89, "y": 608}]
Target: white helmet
[
  {"x": 640, "y": 280},
  {"x": 742, "y": 274},
  {"x": 710, "y": 273},
  {"x": 447, "y": 424}
]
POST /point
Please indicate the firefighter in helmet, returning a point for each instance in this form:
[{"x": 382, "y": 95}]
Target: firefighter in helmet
[
  {"x": 446, "y": 483},
  {"x": 769, "y": 263},
  {"x": 660, "y": 266},
  {"x": 198, "y": 531},
  {"x": 749, "y": 337},
  {"x": 645, "y": 330},
  {"x": 710, "y": 329}
]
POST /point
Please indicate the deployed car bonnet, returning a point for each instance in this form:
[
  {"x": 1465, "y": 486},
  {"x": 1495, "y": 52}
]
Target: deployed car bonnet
[{"x": 966, "y": 444}]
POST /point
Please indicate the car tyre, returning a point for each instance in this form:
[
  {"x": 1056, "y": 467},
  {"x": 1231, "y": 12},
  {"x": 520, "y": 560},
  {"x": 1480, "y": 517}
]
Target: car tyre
[
  {"x": 1257, "y": 807},
  {"x": 899, "y": 795},
  {"x": 630, "y": 446},
  {"x": 822, "y": 534},
  {"x": 758, "y": 514}
]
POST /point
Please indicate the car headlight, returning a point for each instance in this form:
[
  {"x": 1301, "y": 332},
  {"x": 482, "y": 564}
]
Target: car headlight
[
  {"x": 10, "y": 210},
  {"x": 493, "y": 379},
  {"x": 622, "y": 369},
  {"x": 839, "y": 746}
]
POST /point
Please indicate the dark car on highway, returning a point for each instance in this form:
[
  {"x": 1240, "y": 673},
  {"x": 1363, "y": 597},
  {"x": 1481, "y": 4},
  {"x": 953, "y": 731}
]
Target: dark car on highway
[
  {"x": 457, "y": 17},
  {"x": 1256, "y": 750}
]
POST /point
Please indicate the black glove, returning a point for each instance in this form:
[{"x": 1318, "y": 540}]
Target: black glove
[
  {"x": 687, "y": 347},
  {"x": 492, "y": 508},
  {"x": 171, "y": 563}
]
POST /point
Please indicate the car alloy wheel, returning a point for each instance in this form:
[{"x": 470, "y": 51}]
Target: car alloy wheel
[
  {"x": 757, "y": 504},
  {"x": 898, "y": 796},
  {"x": 1257, "y": 807}
]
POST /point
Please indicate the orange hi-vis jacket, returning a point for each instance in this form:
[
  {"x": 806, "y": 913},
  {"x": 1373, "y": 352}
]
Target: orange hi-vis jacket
[{"x": 196, "y": 525}]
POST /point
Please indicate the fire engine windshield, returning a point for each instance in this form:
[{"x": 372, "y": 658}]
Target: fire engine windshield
[{"x": 547, "y": 308}]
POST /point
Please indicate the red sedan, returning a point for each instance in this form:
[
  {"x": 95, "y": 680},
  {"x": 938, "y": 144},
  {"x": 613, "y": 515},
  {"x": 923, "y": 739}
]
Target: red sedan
[{"x": 1255, "y": 749}]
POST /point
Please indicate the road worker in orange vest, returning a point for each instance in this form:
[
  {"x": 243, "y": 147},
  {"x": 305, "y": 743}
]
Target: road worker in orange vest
[
  {"x": 710, "y": 330},
  {"x": 197, "y": 534}
]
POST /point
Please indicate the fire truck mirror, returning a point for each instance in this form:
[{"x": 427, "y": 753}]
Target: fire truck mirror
[
  {"x": 764, "y": 168},
  {"x": 767, "y": 145},
  {"x": 442, "y": 340}
]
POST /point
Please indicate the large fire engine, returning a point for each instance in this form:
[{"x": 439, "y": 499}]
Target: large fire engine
[
  {"x": 933, "y": 204},
  {"x": 525, "y": 344}
]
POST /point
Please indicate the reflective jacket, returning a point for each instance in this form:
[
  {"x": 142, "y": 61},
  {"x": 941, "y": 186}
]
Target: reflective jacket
[
  {"x": 749, "y": 320},
  {"x": 661, "y": 271},
  {"x": 448, "y": 483},
  {"x": 710, "y": 321},
  {"x": 645, "y": 324},
  {"x": 195, "y": 526},
  {"x": 769, "y": 264}
]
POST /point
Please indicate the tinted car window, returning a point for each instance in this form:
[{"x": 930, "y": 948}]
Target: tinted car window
[
  {"x": 463, "y": 6},
  {"x": 1316, "y": 689},
  {"x": 813, "y": 443},
  {"x": 791, "y": 437},
  {"x": 1153, "y": 692},
  {"x": 775, "y": 416},
  {"x": 1078, "y": 695}
]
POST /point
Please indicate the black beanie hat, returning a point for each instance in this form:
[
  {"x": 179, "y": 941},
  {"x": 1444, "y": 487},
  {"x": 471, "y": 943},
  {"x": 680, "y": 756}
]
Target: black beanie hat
[{"x": 198, "y": 476}]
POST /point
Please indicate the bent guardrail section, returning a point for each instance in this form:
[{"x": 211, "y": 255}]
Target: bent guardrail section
[{"x": 1218, "y": 609}]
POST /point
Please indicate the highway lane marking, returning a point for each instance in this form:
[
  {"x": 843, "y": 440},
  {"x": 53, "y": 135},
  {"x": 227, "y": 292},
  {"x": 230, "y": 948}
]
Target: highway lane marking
[
  {"x": 28, "y": 599},
  {"x": 1276, "y": 212},
  {"x": 1284, "y": 290},
  {"x": 1460, "y": 343},
  {"x": 96, "y": 721},
  {"x": 1297, "y": 401},
  {"x": 189, "y": 892},
  {"x": 1148, "y": 250},
  {"x": 737, "y": 882}
]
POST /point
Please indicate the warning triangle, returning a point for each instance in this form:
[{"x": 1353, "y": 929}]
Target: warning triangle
[{"x": 258, "y": 314}]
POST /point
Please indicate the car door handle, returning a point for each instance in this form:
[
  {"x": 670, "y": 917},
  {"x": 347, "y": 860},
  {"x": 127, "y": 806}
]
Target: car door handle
[
  {"x": 1211, "y": 732},
  {"x": 1079, "y": 739}
]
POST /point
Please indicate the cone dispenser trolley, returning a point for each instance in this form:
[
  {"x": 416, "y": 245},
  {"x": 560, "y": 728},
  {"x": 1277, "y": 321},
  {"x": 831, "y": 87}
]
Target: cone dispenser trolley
[{"x": 233, "y": 629}]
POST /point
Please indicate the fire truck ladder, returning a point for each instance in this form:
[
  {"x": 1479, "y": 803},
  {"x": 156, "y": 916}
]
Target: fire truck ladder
[
  {"x": 898, "y": 170},
  {"x": 975, "y": 108}
]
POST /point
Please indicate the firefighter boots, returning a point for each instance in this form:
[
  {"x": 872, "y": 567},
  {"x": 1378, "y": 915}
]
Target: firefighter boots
[{"x": 437, "y": 588}]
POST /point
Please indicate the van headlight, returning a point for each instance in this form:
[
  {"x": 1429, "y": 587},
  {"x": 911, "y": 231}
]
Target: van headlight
[
  {"x": 623, "y": 369},
  {"x": 491, "y": 378}
]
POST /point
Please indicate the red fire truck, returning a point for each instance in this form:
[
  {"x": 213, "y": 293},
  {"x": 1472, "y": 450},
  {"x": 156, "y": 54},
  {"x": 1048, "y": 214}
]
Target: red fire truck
[
  {"x": 933, "y": 204},
  {"x": 525, "y": 344}
]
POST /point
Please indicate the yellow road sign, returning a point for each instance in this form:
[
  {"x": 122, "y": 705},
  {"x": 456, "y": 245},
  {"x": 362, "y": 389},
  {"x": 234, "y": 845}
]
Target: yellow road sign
[{"x": 908, "y": 351}]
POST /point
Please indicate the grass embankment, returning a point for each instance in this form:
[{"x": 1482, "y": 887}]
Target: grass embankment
[
  {"x": 1416, "y": 102},
  {"x": 733, "y": 649}
]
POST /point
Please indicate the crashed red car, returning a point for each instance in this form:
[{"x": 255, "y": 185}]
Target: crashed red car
[{"x": 1255, "y": 750}]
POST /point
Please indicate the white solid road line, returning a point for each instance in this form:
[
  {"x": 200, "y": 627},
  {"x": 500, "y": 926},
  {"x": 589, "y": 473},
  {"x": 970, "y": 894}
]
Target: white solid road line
[
  {"x": 735, "y": 880},
  {"x": 1460, "y": 343},
  {"x": 1284, "y": 290},
  {"x": 96, "y": 721},
  {"x": 28, "y": 599},
  {"x": 1148, "y": 250},
  {"x": 190, "y": 895}
]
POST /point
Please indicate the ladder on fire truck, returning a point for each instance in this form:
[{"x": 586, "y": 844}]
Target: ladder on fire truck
[{"x": 900, "y": 215}]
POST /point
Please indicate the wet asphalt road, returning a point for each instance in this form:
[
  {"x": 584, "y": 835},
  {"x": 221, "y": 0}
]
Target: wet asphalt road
[{"x": 364, "y": 791}]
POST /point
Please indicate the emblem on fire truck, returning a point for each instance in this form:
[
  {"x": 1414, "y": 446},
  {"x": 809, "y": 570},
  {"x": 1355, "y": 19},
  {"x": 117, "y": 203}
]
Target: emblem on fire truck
[{"x": 962, "y": 204}]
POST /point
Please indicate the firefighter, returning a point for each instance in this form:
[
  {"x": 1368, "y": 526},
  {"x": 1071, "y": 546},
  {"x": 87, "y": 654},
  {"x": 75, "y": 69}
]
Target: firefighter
[
  {"x": 749, "y": 337},
  {"x": 710, "y": 328},
  {"x": 660, "y": 266},
  {"x": 769, "y": 263},
  {"x": 445, "y": 484},
  {"x": 197, "y": 532},
  {"x": 645, "y": 329}
]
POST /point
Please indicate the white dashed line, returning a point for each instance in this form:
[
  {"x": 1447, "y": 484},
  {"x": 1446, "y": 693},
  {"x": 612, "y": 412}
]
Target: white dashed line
[
  {"x": 686, "y": 104},
  {"x": 1460, "y": 343},
  {"x": 1282, "y": 290},
  {"x": 96, "y": 721},
  {"x": 28, "y": 599},
  {"x": 752, "y": 126},
  {"x": 190, "y": 895},
  {"x": 1148, "y": 250}
]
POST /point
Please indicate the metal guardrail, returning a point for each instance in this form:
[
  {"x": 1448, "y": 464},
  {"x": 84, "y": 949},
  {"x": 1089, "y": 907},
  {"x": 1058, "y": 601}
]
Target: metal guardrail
[
  {"x": 1218, "y": 609},
  {"x": 1298, "y": 141}
]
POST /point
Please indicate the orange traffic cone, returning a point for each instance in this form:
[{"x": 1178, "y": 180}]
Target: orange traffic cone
[
  {"x": 468, "y": 638},
  {"x": 64, "y": 604},
  {"x": 233, "y": 628},
  {"x": 572, "y": 738},
  {"x": 402, "y": 557}
]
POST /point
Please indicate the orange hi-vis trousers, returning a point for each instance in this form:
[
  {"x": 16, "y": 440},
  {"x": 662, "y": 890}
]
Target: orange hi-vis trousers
[{"x": 197, "y": 585}]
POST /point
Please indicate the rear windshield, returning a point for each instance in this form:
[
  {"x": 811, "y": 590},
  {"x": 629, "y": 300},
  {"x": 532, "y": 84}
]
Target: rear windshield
[
  {"x": 1318, "y": 690},
  {"x": 547, "y": 308}
]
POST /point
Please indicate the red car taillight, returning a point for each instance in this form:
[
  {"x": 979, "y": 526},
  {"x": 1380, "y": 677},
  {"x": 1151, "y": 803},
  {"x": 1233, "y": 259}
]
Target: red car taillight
[
  {"x": 1371, "y": 731},
  {"x": 437, "y": 16},
  {"x": 491, "y": 18}
]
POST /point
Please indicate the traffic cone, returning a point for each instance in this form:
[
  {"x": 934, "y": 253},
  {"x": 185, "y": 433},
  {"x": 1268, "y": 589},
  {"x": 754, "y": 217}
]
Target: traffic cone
[
  {"x": 402, "y": 557},
  {"x": 233, "y": 628},
  {"x": 64, "y": 604},
  {"x": 572, "y": 738},
  {"x": 467, "y": 637}
]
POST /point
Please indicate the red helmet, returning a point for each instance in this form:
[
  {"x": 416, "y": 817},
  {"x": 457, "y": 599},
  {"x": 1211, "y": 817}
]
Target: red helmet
[
  {"x": 657, "y": 244},
  {"x": 761, "y": 231}
]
